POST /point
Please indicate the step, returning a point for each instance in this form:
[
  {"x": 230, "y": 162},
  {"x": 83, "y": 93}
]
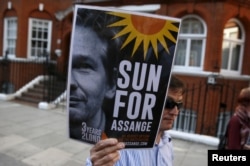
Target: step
[
  {"x": 43, "y": 91},
  {"x": 28, "y": 99}
]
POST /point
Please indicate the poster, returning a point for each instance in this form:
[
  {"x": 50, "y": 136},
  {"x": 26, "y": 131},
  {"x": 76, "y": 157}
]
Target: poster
[{"x": 119, "y": 69}]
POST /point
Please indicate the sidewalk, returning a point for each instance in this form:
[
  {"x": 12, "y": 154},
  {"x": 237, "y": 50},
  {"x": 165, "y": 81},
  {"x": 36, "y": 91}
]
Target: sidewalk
[{"x": 33, "y": 137}]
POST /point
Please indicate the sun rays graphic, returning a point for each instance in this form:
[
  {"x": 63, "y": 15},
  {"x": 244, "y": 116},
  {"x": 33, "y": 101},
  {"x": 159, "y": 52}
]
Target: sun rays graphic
[{"x": 145, "y": 30}]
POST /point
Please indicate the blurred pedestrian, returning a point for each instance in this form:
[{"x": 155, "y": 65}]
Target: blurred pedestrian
[{"x": 239, "y": 125}]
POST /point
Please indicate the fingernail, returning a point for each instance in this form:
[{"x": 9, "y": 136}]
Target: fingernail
[
  {"x": 114, "y": 140},
  {"x": 121, "y": 145}
]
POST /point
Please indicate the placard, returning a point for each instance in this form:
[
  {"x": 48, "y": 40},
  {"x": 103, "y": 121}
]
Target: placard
[{"x": 119, "y": 69}]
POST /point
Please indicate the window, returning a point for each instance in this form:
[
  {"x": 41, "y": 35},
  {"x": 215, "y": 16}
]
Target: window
[
  {"x": 190, "y": 47},
  {"x": 39, "y": 38},
  {"x": 10, "y": 36},
  {"x": 232, "y": 47},
  {"x": 223, "y": 119},
  {"x": 186, "y": 121}
]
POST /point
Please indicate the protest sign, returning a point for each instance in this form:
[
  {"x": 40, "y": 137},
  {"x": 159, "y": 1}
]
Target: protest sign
[{"x": 119, "y": 69}]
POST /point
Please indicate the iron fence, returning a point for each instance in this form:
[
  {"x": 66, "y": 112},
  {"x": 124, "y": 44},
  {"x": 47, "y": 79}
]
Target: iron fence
[
  {"x": 16, "y": 73},
  {"x": 207, "y": 108}
]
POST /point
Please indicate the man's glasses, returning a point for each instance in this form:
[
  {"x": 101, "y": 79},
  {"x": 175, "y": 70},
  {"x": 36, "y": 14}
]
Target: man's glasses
[{"x": 170, "y": 104}]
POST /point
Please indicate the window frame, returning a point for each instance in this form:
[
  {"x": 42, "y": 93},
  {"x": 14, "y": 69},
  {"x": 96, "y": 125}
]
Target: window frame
[
  {"x": 189, "y": 38},
  {"x": 240, "y": 42},
  {"x": 6, "y": 37},
  {"x": 48, "y": 40}
]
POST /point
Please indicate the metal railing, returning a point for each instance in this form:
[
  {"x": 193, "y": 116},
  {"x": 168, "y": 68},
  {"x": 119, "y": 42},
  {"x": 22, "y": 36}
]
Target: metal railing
[
  {"x": 207, "y": 109},
  {"x": 16, "y": 73}
]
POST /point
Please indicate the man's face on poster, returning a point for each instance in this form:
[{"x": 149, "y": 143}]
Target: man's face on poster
[{"x": 89, "y": 83}]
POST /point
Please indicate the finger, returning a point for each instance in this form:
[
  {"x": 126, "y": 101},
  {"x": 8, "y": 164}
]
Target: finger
[
  {"x": 107, "y": 154},
  {"x": 96, "y": 155},
  {"x": 110, "y": 149},
  {"x": 107, "y": 160},
  {"x": 105, "y": 143}
]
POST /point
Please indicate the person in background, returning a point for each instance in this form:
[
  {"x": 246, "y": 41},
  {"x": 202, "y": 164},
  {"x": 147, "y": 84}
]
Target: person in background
[
  {"x": 110, "y": 152},
  {"x": 239, "y": 124}
]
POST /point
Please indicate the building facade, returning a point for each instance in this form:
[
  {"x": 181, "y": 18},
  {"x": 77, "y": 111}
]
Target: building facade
[{"x": 212, "y": 57}]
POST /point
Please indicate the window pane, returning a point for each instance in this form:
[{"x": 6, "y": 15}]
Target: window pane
[
  {"x": 225, "y": 55},
  {"x": 45, "y": 45},
  {"x": 189, "y": 51},
  {"x": 235, "y": 57},
  {"x": 40, "y": 52},
  {"x": 39, "y": 34},
  {"x": 11, "y": 51},
  {"x": 45, "y": 35},
  {"x": 180, "y": 56},
  {"x": 39, "y": 44},
  {"x": 195, "y": 53},
  {"x": 192, "y": 26},
  {"x": 33, "y": 34},
  {"x": 196, "y": 27},
  {"x": 232, "y": 46},
  {"x": 232, "y": 30},
  {"x": 233, "y": 35},
  {"x": 33, "y": 51},
  {"x": 10, "y": 35},
  {"x": 184, "y": 27},
  {"x": 33, "y": 43}
]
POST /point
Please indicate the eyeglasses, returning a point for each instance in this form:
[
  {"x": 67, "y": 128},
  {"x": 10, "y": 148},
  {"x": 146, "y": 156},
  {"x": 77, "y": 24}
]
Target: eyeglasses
[{"x": 170, "y": 104}]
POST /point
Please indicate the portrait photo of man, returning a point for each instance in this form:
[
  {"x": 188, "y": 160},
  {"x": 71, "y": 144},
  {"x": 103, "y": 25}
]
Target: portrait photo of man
[{"x": 92, "y": 75}]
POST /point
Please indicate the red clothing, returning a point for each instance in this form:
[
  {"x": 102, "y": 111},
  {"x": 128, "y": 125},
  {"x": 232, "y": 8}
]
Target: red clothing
[{"x": 234, "y": 135}]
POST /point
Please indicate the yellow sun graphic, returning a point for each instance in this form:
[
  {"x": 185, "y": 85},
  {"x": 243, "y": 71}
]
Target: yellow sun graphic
[{"x": 140, "y": 28}]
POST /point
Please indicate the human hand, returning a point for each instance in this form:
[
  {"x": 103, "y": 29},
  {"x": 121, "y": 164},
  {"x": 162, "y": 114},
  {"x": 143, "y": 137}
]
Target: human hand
[
  {"x": 246, "y": 147},
  {"x": 106, "y": 152}
]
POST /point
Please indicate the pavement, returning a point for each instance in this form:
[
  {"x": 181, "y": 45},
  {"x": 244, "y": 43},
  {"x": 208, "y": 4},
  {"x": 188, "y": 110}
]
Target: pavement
[{"x": 34, "y": 137}]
